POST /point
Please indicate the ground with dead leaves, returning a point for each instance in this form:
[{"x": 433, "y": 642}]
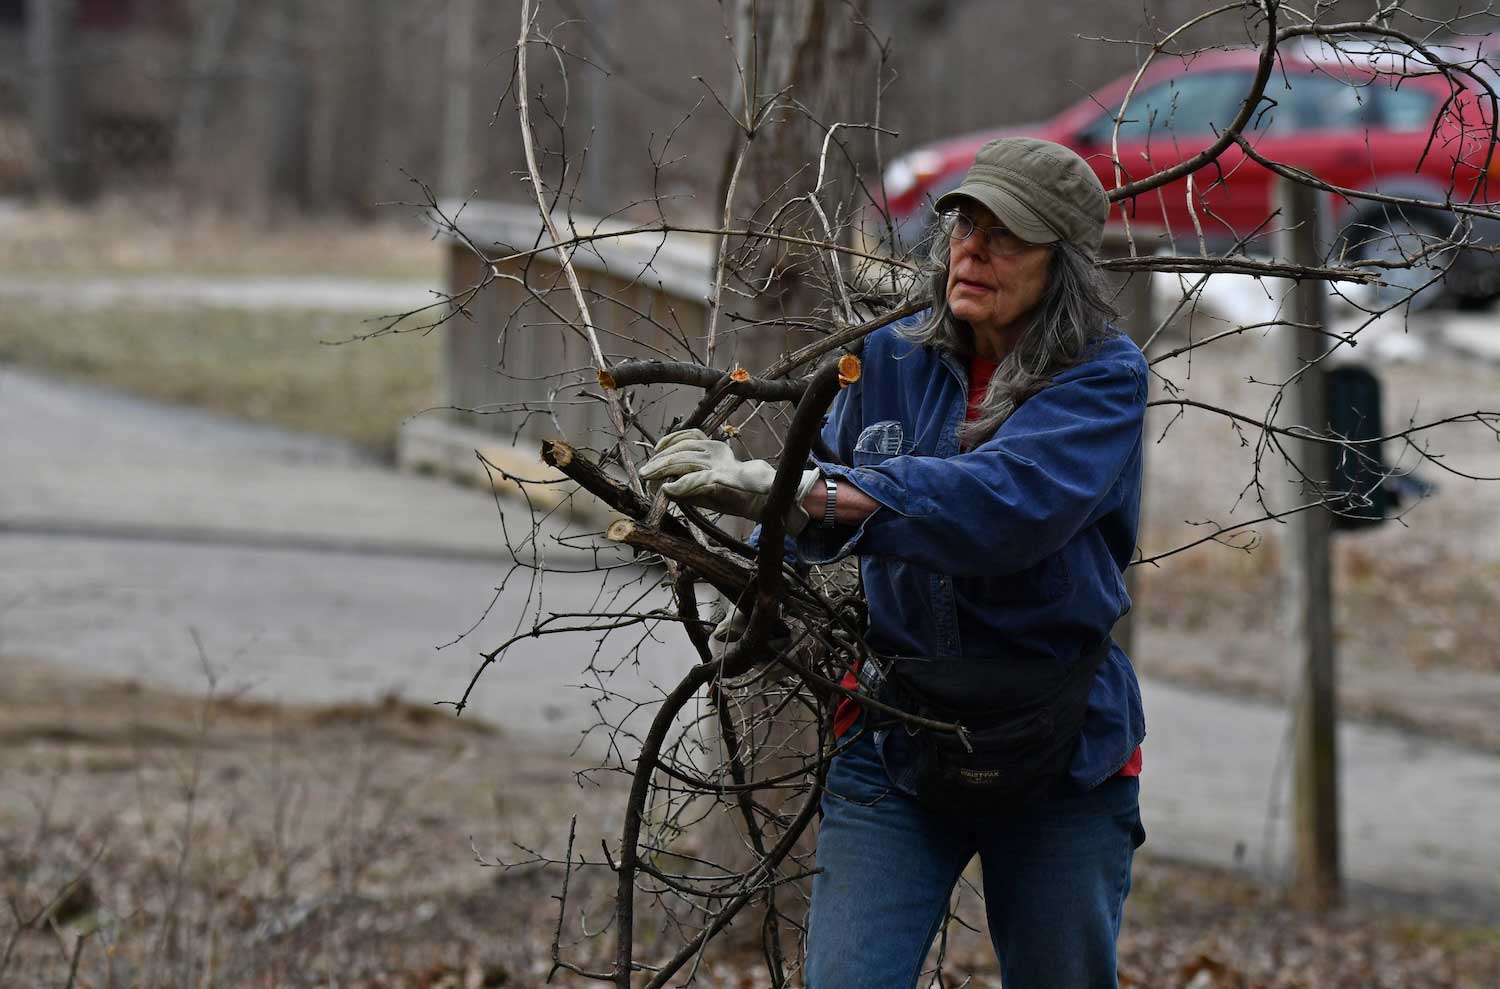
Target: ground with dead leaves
[{"x": 154, "y": 839}]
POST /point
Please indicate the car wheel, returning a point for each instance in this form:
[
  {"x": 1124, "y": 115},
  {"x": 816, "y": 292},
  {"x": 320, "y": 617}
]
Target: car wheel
[
  {"x": 1474, "y": 280},
  {"x": 1474, "y": 303},
  {"x": 1400, "y": 240}
]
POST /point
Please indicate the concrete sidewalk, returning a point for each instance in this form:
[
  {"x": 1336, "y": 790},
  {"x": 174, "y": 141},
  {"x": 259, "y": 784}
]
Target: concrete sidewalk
[
  {"x": 86, "y": 462},
  {"x": 309, "y": 571},
  {"x": 1419, "y": 816},
  {"x": 312, "y": 573}
]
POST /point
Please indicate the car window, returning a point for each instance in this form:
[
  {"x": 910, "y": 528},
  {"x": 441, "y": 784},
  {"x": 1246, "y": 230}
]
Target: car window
[
  {"x": 1191, "y": 105},
  {"x": 1408, "y": 109},
  {"x": 1313, "y": 102}
]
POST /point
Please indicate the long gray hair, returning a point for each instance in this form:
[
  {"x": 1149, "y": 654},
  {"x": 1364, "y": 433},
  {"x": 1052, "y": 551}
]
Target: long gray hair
[{"x": 1074, "y": 313}]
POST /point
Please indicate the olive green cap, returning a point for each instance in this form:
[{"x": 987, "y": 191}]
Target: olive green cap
[{"x": 1042, "y": 191}]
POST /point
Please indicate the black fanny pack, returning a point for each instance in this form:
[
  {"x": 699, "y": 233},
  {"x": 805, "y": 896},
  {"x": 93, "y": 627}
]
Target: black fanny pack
[{"x": 1022, "y": 719}]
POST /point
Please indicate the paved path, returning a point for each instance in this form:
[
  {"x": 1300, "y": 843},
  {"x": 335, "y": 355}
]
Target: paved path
[
  {"x": 1419, "y": 816},
  {"x": 309, "y": 572}
]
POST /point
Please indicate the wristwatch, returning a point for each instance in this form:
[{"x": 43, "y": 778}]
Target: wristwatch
[{"x": 830, "y": 499}]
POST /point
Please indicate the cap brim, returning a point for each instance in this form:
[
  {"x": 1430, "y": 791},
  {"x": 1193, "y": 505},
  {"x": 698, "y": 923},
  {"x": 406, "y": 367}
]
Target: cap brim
[{"x": 1009, "y": 210}]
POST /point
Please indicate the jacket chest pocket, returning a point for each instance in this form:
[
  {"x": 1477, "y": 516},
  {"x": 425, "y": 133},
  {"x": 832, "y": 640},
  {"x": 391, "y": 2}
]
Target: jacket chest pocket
[{"x": 880, "y": 441}]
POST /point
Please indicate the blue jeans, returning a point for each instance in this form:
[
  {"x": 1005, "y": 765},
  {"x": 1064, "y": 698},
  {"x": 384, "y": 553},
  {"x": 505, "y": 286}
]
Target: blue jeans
[{"x": 1055, "y": 877}]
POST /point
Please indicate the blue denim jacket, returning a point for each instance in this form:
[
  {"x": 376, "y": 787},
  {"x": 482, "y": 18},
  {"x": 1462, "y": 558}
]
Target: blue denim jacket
[{"x": 1017, "y": 546}]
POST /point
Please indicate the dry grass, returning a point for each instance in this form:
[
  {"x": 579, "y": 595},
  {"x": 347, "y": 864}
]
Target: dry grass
[
  {"x": 152, "y": 235},
  {"x": 272, "y": 366},
  {"x": 172, "y": 841}
]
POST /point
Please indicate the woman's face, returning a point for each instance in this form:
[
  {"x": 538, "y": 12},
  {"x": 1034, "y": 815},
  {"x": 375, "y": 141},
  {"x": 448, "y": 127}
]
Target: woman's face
[{"x": 994, "y": 283}]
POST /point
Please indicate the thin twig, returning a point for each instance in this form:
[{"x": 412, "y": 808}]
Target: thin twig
[{"x": 523, "y": 102}]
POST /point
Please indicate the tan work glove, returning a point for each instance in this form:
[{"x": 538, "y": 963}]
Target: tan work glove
[
  {"x": 706, "y": 474},
  {"x": 732, "y": 628}
]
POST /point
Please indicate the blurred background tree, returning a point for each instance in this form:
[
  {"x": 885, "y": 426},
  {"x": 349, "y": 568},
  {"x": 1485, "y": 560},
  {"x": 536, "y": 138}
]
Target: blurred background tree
[{"x": 291, "y": 105}]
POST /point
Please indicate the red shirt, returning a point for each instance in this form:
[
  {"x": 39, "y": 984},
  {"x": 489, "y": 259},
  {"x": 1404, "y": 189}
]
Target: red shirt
[{"x": 981, "y": 370}]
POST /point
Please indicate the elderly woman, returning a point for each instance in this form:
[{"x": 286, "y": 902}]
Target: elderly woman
[{"x": 989, "y": 483}]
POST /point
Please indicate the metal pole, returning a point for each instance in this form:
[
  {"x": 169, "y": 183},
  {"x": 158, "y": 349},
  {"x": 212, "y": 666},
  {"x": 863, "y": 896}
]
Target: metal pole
[{"x": 1315, "y": 799}]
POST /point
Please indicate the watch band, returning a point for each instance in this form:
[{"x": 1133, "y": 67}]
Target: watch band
[{"x": 830, "y": 499}]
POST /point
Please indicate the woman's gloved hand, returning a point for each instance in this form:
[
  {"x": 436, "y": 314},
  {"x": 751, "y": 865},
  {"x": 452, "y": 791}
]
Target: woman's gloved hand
[
  {"x": 732, "y": 628},
  {"x": 706, "y": 474}
]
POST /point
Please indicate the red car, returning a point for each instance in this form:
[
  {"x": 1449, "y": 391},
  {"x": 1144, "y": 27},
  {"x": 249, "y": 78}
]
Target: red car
[{"x": 1353, "y": 125}]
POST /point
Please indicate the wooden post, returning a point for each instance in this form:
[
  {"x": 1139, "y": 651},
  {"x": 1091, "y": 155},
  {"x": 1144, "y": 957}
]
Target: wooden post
[{"x": 1315, "y": 800}]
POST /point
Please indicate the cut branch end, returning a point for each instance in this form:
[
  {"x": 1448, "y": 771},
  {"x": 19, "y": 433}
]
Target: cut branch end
[
  {"x": 849, "y": 370},
  {"x": 556, "y": 453}
]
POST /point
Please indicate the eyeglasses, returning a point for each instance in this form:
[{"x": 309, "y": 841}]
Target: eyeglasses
[{"x": 997, "y": 240}]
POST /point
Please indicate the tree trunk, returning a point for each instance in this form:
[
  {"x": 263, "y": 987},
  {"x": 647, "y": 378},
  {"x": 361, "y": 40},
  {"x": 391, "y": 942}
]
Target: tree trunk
[
  {"x": 347, "y": 128},
  {"x": 51, "y": 41},
  {"x": 816, "y": 54},
  {"x": 457, "y": 103},
  {"x": 812, "y": 52},
  {"x": 205, "y": 71}
]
